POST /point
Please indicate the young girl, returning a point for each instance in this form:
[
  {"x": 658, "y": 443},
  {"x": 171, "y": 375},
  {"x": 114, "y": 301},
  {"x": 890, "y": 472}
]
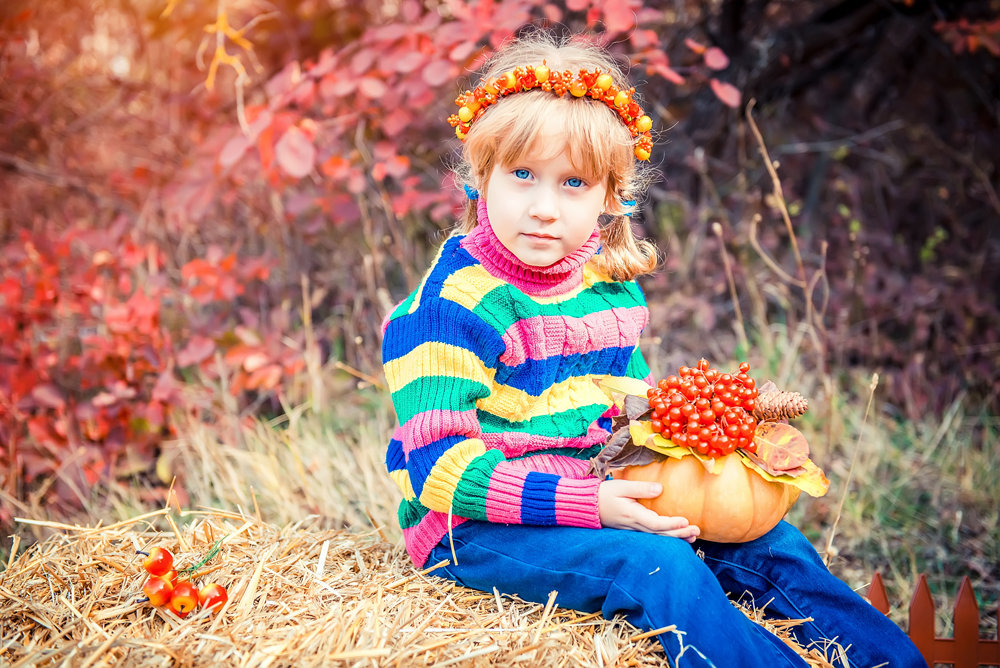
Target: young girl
[{"x": 491, "y": 363}]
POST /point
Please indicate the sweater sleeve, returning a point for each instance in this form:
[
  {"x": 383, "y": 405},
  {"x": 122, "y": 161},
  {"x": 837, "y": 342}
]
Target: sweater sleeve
[{"x": 440, "y": 359}]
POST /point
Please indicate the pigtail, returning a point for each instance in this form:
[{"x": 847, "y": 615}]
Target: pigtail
[
  {"x": 623, "y": 255},
  {"x": 470, "y": 218}
]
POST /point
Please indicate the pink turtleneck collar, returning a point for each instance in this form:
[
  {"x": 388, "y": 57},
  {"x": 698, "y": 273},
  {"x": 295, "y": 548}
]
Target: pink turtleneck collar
[{"x": 483, "y": 244}]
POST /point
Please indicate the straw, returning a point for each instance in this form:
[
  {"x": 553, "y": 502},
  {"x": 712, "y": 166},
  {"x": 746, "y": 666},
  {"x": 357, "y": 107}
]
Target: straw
[{"x": 299, "y": 595}]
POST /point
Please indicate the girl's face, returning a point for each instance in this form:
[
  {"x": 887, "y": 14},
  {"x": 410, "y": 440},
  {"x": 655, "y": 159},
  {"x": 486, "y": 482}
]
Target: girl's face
[{"x": 542, "y": 208}]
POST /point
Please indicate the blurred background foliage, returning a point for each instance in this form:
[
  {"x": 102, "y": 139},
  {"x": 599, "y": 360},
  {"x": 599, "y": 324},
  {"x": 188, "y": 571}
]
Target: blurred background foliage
[{"x": 208, "y": 208}]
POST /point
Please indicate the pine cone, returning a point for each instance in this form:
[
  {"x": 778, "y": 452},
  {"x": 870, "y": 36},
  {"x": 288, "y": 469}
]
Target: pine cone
[{"x": 779, "y": 405}]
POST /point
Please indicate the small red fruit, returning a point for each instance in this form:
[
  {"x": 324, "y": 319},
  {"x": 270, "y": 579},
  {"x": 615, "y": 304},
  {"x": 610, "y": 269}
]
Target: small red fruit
[
  {"x": 158, "y": 561},
  {"x": 184, "y": 598},
  {"x": 158, "y": 590},
  {"x": 213, "y": 595}
]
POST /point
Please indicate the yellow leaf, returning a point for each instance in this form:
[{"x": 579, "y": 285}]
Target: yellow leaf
[
  {"x": 618, "y": 386},
  {"x": 642, "y": 434},
  {"x": 813, "y": 481}
]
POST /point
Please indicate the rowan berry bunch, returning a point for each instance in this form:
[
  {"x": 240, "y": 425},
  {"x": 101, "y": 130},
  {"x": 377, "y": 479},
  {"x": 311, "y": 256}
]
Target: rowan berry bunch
[
  {"x": 165, "y": 587},
  {"x": 705, "y": 409}
]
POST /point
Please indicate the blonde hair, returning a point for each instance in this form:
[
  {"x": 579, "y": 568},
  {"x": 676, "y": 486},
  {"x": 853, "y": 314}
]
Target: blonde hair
[{"x": 598, "y": 143}]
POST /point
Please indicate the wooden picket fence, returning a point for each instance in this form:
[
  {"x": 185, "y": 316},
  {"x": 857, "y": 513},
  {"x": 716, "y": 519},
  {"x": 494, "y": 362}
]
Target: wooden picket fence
[{"x": 965, "y": 649}]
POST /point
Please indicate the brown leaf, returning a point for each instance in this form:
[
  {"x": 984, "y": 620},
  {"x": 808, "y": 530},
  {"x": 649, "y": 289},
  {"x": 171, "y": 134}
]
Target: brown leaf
[
  {"x": 752, "y": 456},
  {"x": 782, "y": 447},
  {"x": 621, "y": 451},
  {"x": 637, "y": 408}
]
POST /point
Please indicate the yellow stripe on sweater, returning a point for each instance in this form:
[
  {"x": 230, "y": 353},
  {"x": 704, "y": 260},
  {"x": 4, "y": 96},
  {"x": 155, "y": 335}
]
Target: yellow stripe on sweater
[
  {"x": 439, "y": 487},
  {"x": 402, "y": 479},
  {"x": 517, "y": 405},
  {"x": 469, "y": 285},
  {"x": 435, "y": 358},
  {"x": 591, "y": 277}
]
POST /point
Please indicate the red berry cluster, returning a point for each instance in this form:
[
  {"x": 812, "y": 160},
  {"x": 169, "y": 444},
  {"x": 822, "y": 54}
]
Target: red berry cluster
[{"x": 705, "y": 409}]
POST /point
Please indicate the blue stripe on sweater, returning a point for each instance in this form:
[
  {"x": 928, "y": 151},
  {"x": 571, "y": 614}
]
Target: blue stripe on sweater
[
  {"x": 422, "y": 460},
  {"x": 394, "y": 458},
  {"x": 535, "y": 376},
  {"x": 446, "y": 322},
  {"x": 538, "y": 499}
]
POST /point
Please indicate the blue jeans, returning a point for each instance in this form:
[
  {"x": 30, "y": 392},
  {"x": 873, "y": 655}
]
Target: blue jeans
[{"x": 655, "y": 581}]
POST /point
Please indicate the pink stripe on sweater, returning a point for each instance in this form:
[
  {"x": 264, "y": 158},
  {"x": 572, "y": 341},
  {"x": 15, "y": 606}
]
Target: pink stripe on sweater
[
  {"x": 422, "y": 538},
  {"x": 515, "y": 443},
  {"x": 429, "y": 426},
  {"x": 551, "y": 336},
  {"x": 576, "y": 503},
  {"x": 503, "y": 496}
]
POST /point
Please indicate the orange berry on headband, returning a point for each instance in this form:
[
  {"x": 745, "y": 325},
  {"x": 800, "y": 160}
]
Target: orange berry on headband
[
  {"x": 465, "y": 114},
  {"x": 541, "y": 73},
  {"x": 604, "y": 81},
  {"x": 643, "y": 123},
  {"x": 508, "y": 80},
  {"x": 578, "y": 88},
  {"x": 641, "y": 153},
  {"x": 621, "y": 99}
]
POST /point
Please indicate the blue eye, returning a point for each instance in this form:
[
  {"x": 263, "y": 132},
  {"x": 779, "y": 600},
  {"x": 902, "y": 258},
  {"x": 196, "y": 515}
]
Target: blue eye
[
  {"x": 522, "y": 173},
  {"x": 574, "y": 182}
]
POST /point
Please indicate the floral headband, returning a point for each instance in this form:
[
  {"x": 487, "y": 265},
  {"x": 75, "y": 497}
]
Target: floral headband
[{"x": 473, "y": 104}]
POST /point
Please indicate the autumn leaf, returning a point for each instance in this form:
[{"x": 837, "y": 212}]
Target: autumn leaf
[
  {"x": 49, "y": 396},
  {"x": 197, "y": 350},
  {"x": 726, "y": 92},
  {"x": 295, "y": 153},
  {"x": 619, "y": 452},
  {"x": 438, "y": 73},
  {"x": 810, "y": 480},
  {"x": 616, "y": 387},
  {"x": 716, "y": 59},
  {"x": 618, "y": 16},
  {"x": 780, "y": 446}
]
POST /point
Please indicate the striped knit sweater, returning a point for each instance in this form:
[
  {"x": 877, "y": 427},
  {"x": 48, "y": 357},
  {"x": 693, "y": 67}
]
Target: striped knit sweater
[{"x": 491, "y": 365}]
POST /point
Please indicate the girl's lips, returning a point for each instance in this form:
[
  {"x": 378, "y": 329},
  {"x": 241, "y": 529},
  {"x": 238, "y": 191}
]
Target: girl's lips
[{"x": 539, "y": 236}]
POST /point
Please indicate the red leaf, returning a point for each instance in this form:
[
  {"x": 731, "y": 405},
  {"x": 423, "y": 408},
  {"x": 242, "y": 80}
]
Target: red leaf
[
  {"x": 362, "y": 61},
  {"x": 462, "y": 51},
  {"x": 49, "y": 396},
  {"x": 372, "y": 87},
  {"x": 397, "y": 166},
  {"x": 726, "y": 92},
  {"x": 553, "y": 13},
  {"x": 439, "y": 72},
  {"x": 667, "y": 73},
  {"x": 716, "y": 59},
  {"x": 405, "y": 61},
  {"x": 197, "y": 350},
  {"x": 255, "y": 361},
  {"x": 642, "y": 39},
  {"x": 295, "y": 153},
  {"x": 619, "y": 16},
  {"x": 697, "y": 47},
  {"x": 396, "y": 121},
  {"x": 266, "y": 378},
  {"x": 233, "y": 151}
]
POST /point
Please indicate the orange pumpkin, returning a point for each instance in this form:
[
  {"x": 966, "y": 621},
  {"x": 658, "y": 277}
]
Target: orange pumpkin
[{"x": 732, "y": 504}]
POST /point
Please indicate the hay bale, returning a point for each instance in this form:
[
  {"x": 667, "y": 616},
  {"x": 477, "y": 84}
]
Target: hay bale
[{"x": 298, "y": 595}]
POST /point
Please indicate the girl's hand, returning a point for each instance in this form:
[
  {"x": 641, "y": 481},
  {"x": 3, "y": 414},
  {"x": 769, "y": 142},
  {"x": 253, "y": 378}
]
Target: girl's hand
[{"x": 616, "y": 502}]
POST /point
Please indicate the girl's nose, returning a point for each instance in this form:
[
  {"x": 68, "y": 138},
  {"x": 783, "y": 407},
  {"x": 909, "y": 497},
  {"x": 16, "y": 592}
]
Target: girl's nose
[{"x": 544, "y": 205}]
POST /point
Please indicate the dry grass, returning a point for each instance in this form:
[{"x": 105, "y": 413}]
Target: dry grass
[{"x": 299, "y": 595}]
